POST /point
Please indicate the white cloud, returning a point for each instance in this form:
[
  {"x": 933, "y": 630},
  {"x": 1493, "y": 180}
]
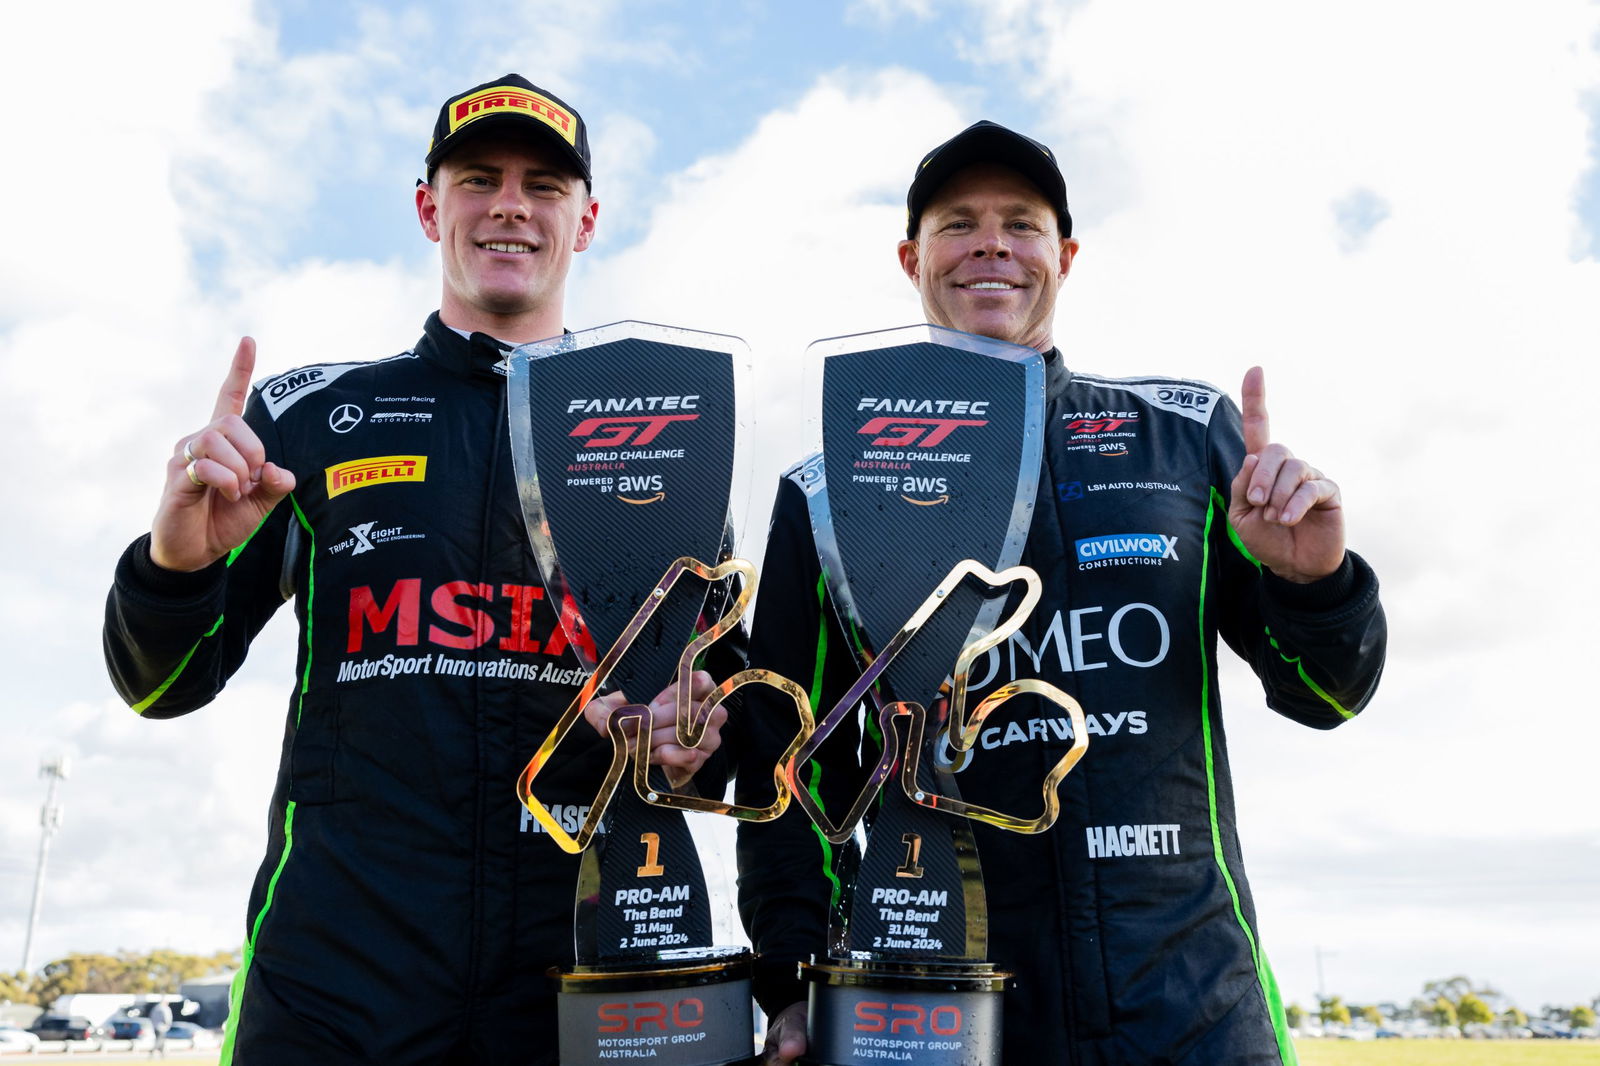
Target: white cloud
[{"x": 1203, "y": 163}]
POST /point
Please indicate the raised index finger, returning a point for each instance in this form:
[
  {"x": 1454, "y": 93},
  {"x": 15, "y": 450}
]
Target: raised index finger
[
  {"x": 1253, "y": 405},
  {"x": 236, "y": 386}
]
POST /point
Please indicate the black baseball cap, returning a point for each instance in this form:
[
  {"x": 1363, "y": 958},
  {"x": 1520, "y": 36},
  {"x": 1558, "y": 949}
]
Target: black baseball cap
[
  {"x": 512, "y": 102},
  {"x": 987, "y": 142}
]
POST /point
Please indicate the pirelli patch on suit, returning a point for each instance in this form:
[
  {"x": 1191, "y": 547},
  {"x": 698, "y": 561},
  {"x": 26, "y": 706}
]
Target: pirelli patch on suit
[{"x": 378, "y": 470}]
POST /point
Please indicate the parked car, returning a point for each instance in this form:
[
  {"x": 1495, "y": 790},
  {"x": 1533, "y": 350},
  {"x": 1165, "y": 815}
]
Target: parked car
[
  {"x": 14, "y": 1039},
  {"x": 196, "y": 1036},
  {"x": 139, "y": 1030},
  {"x": 63, "y": 1027}
]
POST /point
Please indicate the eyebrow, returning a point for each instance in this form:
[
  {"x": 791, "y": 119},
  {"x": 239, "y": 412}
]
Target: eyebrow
[
  {"x": 1018, "y": 207},
  {"x": 540, "y": 172}
]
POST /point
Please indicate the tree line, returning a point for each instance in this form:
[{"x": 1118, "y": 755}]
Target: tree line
[
  {"x": 123, "y": 972},
  {"x": 1445, "y": 1003}
]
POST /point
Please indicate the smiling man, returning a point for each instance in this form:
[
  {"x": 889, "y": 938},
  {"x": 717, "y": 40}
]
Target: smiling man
[
  {"x": 1165, "y": 518},
  {"x": 408, "y": 909}
]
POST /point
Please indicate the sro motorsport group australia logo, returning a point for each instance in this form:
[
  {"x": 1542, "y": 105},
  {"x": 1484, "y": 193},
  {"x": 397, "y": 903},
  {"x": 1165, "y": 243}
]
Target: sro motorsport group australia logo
[
  {"x": 617, "y": 430},
  {"x": 908, "y": 434}
]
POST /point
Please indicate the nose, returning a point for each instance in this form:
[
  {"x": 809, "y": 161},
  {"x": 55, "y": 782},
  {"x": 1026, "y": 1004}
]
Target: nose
[
  {"x": 511, "y": 204},
  {"x": 992, "y": 243}
]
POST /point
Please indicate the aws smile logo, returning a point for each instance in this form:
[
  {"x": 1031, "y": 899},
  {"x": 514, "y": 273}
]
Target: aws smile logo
[{"x": 916, "y": 490}]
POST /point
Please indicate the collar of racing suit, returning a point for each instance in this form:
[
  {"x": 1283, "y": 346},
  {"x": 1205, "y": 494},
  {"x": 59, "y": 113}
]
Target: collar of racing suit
[
  {"x": 474, "y": 356},
  {"x": 1056, "y": 374}
]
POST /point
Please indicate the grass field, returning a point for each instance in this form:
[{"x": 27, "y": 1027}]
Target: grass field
[{"x": 1448, "y": 1052}]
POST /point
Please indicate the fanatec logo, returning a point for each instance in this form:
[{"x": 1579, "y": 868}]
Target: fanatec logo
[{"x": 345, "y": 417}]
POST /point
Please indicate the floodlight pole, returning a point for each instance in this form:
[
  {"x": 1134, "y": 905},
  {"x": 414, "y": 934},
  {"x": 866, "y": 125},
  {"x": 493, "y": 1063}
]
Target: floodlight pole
[{"x": 50, "y": 820}]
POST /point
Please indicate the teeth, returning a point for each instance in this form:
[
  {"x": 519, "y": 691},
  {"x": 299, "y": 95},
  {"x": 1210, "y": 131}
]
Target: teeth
[
  {"x": 506, "y": 246},
  {"x": 990, "y": 285}
]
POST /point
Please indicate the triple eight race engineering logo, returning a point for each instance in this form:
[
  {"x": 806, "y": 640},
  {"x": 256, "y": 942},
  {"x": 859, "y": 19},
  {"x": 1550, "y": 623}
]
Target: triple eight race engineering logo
[
  {"x": 910, "y": 431},
  {"x": 616, "y": 429}
]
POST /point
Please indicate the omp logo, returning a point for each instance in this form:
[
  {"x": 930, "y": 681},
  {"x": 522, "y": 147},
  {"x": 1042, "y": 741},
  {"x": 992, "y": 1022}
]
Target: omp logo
[
  {"x": 609, "y": 432},
  {"x": 1127, "y": 545},
  {"x": 510, "y": 98},
  {"x": 379, "y": 470},
  {"x": 294, "y": 382},
  {"x": 904, "y": 432},
  {"x": 1191, "y": 399}
]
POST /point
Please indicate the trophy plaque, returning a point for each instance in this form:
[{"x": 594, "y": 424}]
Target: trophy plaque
[
  {"x": 624, "y": 441},
  {"x": 920, "y": 502}
]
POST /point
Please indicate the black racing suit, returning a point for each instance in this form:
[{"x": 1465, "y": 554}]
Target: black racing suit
[
  {"x": 1129, "y": 924},
  {"x": 408, "y": 907}
]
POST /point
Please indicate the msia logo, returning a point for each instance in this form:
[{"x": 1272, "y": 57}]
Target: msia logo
[
  {"x": 621, "y": 429},
  {"x": 460, "y": 617},
  {"x": 904, "y": 432},
  {"x": 380, "y": 470}
]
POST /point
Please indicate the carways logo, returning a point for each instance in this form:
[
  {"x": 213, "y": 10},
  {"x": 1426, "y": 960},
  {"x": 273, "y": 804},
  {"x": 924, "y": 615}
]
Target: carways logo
[{"x": 1125, "y": 549}]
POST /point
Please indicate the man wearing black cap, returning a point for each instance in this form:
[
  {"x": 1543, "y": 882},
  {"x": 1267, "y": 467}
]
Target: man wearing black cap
[
  {"x": 1164, "y": 519},
  {"x": 408, "y": 908}
]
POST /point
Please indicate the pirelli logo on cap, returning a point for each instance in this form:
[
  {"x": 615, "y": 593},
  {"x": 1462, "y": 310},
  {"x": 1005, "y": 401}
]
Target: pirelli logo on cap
[
  {"x": 379, "y": 470},
  {"x": 503, "y": 98}
]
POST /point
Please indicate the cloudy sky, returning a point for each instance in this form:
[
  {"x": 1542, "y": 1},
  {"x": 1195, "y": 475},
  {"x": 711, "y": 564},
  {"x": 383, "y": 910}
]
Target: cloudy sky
[{"x": 1392, "y": 206}]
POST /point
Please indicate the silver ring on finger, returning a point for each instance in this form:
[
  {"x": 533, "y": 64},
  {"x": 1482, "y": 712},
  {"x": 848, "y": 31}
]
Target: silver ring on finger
[
  {"x": 189, "y": 455},
  {"x": 190, "y": 471}
]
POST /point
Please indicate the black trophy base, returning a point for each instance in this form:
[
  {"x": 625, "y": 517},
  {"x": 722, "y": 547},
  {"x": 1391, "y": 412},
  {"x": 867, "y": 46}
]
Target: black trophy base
[
  {"x": 865, "y": 1012},
  {"x": 689, "y": 1008}
]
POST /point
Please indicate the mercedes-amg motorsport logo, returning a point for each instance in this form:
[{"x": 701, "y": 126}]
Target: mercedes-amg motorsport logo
[{"x": 345, "y": 417}]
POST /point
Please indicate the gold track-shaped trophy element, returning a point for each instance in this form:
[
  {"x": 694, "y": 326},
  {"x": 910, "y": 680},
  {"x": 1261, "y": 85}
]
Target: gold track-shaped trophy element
[
  {"x": 690, "y": 721},
  {"x": 963, "y": 732}
]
